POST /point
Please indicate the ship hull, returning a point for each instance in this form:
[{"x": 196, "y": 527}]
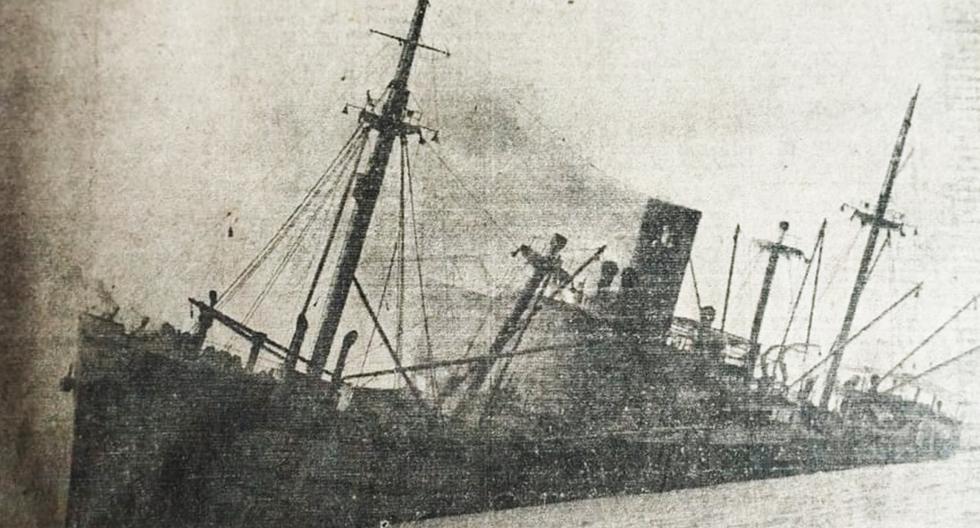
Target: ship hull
[{"x": 163, "y": 441}]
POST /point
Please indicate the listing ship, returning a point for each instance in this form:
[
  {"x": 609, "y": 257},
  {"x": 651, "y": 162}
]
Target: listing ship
[{"x": 570, "y": 395}]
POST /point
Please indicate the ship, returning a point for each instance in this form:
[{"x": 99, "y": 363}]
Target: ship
[{"x": 571, "y": 395}]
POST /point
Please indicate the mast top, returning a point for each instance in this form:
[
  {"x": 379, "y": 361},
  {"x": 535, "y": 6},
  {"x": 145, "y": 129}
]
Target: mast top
[{"x": 409, "y": 45}]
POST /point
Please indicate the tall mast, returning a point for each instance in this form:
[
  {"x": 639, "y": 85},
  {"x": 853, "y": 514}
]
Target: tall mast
[
  {"x": 389, "y": 126},
  {"x": 877, "y": 222}
]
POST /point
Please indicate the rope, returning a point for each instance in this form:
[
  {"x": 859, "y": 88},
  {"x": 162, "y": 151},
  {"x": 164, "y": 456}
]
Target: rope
[
  {"x": 384, "y": 338},
  {"x": 290, "y": 251},
  {"x": 280, "y": 233},
  {"x": 748, "y": 276},
  {"x": 418, "y": 262},
  {"x": 336, "y": 223},
  {"x": 881, "y": 251},
  {"x": 297, "y": 242},
  {"x": 796, "y": 303},
  {"x": 839, "y": 264},
  {"x": 505, "y": 233},
  {"x": 400, "y": 320},
  {"x": 839, "y": 348},
  {"x": 381, "y": 300}
]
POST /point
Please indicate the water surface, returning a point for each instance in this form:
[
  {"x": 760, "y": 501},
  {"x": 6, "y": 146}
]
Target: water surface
[{"x": 943, "y": 494}]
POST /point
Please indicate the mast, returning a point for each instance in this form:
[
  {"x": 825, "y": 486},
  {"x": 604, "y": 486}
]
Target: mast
[
  {"x": 877, "y": 222},
  {"x": 389, "y": 126},
  {"x": 776, "y": 250}
]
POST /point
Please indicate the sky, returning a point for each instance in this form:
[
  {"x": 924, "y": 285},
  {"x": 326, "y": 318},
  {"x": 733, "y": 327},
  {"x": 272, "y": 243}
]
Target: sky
[
  {"x": 200, "y": 117},
  {"x": 159, "y": 125}
]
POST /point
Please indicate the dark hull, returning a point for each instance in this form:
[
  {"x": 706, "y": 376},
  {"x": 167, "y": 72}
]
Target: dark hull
[{"x": 163, "y": 441}]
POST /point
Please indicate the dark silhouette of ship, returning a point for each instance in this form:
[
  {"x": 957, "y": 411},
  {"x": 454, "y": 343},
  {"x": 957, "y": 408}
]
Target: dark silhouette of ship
[{"x": 572, "y": 395}]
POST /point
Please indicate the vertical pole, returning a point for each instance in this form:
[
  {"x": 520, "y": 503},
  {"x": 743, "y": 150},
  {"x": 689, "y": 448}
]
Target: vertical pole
[
  {"x": 760, "y": 309},
  {"x": 813, "y": 298},
  {"x": 728, "y": 285},
  {"x": 302, "y": 324},
  {"x": 388, "y": 126},
  {"x": 338, "y": 370},
  {"x": 781, "y": 356},
  {"x": 861, "y": 280},
  {"x": 299, "y": 333},
  {"x": 258, "y": 341}
]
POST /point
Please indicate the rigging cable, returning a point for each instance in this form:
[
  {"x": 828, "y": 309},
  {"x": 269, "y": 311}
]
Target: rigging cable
[
  {"x": 418, "y": 260},
  {"x": 333, "y": 228},
  {"x": 881, "y": 250},
  {"x": 914, "y": 291},
  {"x": 381, "y": 301},
  {"x": 813, "y": 301},
  {"x": 354, "y": 156},
  {"x": 384, "y": 338},
  {"x": 505, "y": 233},
  {"x": 748, "y": 276},
  {"x": 796, "y": 303},
  {"x": 839, "y": 264},
  {"x": 295, "y": 244},
  {"x": 280, "y": 233}
]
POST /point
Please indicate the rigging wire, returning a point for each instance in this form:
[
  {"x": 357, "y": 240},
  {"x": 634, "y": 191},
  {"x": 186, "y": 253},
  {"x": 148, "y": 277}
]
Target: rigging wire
[
  {"x": 796, "y": 303},
  {"x": 291, "y": 250},
  {"x": 569, "y": 146},
  {"x": 384, "y": 338},
  {"x": 381, "y": 301},
  {"x": 502, "y": 371},
  {"x": 506, "y": 234},
  {"x": 354, "y": 156},
  {"x": 281, "y": 266},
  {"x": 881, "y": 250},
  {"x": 400, "y": 312},
  {"x": 813, "y": 301},
  {"x": 748, "y": 276},
  {"x": 837, "y": 347},
  {"x": 839, "y": 264},
  {"x": 418, "y": 261},
  {"x": 290, "y": 221},
  {"x": 336, "y": 223}
]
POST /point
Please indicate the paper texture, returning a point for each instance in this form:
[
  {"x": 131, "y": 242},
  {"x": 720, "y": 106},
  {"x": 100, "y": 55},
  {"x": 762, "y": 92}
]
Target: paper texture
[{"x": 152, "y": 149}]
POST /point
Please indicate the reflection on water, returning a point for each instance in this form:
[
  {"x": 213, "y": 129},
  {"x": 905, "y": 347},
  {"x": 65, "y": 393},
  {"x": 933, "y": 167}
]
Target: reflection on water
[{"x": 944, "y": 493}]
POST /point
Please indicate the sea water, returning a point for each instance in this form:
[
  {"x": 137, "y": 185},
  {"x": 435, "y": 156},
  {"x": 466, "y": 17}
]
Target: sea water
[{"x": 942, "y": 493}]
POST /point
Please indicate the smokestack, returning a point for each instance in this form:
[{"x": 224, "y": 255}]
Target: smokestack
[{"x": 663, "y": 249}]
